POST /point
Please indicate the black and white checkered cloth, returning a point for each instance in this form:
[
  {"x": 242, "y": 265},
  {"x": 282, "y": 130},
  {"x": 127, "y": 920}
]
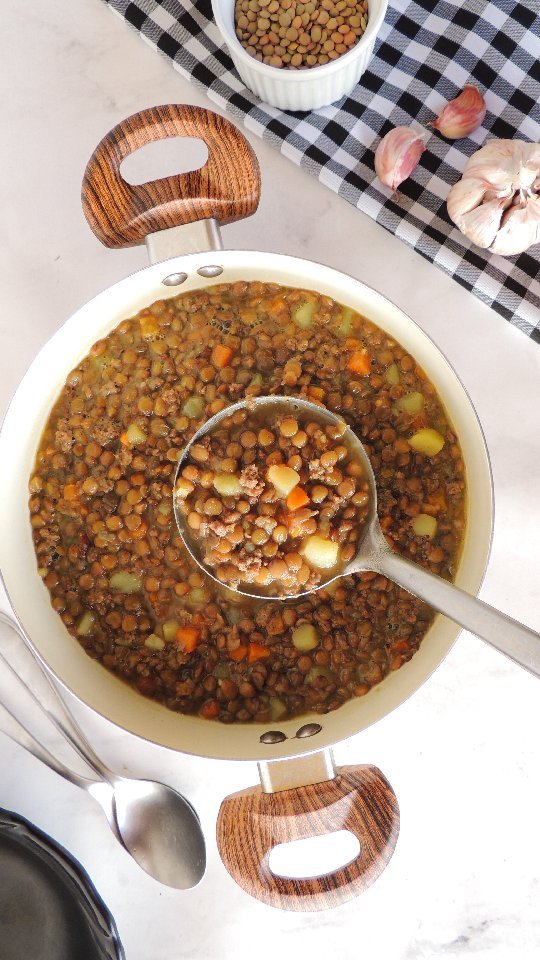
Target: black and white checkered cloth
[{"x": 427, "y": 50}]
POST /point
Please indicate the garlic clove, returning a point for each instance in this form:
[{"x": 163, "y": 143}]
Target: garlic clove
[
  {"x": 397, "y": 155},
  {"x": 462, "y": 115},
  {"x": 464, "y": 196},
  {"x": 520, "y": 229},
  {"x": 481, "y": 224}
]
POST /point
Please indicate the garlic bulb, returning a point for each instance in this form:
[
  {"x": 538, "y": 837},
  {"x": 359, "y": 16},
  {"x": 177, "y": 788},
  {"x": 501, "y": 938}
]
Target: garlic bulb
[
  {"x": 462, "y": 115},
  {"x": 496, "y": 204},
  {"x": 397, "y": 155}
]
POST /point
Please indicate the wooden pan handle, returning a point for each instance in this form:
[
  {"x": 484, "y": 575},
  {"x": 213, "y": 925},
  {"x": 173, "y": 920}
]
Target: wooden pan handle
[
  {"x": 226, "y": 188},
  {"x": 251, "y": 822}
]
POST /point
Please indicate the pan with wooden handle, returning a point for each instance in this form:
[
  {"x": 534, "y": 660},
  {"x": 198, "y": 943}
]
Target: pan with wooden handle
[{"x": 179, "y": 218}]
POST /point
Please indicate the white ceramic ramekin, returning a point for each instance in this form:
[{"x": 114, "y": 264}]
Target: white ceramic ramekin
[{"x": 305, "y": 89}]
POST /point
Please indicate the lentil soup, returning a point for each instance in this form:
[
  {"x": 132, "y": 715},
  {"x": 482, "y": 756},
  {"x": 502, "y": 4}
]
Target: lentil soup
[{"x": 101, "y": 506}]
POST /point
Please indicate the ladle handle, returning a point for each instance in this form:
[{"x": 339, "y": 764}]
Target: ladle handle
[
  {"x": 226, "y": 188},
  {"x": 250, "y": 823},
  {"x": 502, "y": 632}
]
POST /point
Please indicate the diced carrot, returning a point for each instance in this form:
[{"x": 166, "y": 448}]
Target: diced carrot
[
  {"x": 257, "y": 652},
  {"x": 209, "y": 710},
  {"x": 400, "y": 647},
  {"x": 188, "y": 638},
  {"x": 297, "y": 498},
  {"x": 239, "y": 653},
  {"x": 70, "y": 491},
  {"x": 359, "y": 362},
  {"x": 221, "y": 356},
  {"x": 124, "y": 439}
]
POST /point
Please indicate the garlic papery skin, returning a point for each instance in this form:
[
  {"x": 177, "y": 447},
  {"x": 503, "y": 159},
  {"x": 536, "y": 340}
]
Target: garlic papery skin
[
  {"x": 462, "y": 115},
  {"x": 496, "y": 204},
  {"x": 397, "y": 155},
  {"x": 521, "y": 225}
]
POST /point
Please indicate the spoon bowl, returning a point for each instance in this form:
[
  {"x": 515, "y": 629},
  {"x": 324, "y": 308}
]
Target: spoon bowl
[
  {"x": 374, "y": 553},
  {"x": 155, "y": 824}
]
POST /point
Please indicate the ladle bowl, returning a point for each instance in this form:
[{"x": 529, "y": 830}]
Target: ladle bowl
[{"x": 374, "y": 553}]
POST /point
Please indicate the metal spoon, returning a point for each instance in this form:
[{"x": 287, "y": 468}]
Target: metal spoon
[
  {"x": 502, "y": 632},
  {"x": 153, "y": 822}
]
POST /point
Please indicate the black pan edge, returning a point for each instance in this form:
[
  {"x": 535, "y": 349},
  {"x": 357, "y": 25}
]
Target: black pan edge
[{"x": 100, "y": 922}]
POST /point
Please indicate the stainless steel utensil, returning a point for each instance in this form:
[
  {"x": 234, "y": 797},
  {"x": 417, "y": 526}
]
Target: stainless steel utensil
[
  {"x": 154, "y": 823},
  {"x": 502, "y": 632}
]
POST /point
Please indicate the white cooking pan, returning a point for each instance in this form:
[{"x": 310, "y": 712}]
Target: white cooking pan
[{"x": 179, "y": 219}]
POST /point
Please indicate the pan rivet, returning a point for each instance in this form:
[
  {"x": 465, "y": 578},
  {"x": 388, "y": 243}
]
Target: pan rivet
[
  {"x": 213, "y": 271},
  {"x": 174, "y": 279},
  {"x": 309, "y": 730},
  {"x": 273, "y": 736}
]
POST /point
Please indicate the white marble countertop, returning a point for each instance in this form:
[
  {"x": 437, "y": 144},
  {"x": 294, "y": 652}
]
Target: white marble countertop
[{"x": 462, "y": 753}]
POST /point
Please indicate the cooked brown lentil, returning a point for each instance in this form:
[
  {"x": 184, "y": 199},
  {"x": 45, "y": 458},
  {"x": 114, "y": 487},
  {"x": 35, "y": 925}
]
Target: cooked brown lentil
[
  {"x": 284, "y": 502},
  {"x": 114, "y": 563}
]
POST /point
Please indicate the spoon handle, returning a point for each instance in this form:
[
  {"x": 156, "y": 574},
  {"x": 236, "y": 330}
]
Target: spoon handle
[
  {"x": 16, "y": 648},
  {"x": 18, "y": 733},
  {"x": 502, "y": 632}
]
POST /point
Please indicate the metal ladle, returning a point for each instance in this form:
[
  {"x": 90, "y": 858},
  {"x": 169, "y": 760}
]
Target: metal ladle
[
  {"x": 153, "y": 822},
  {"x": 502, "y": 632}
]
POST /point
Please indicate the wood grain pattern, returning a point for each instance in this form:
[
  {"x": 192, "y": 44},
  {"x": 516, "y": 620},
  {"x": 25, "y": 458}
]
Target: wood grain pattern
[
  {"x": 251, "y": 822},
  {"x": 226, "y": 188}
]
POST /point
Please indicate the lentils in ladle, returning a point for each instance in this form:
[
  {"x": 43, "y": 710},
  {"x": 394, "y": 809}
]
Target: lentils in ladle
[
  {"x": 274, "y": 507},
  {"x": 284, "y": 33}
]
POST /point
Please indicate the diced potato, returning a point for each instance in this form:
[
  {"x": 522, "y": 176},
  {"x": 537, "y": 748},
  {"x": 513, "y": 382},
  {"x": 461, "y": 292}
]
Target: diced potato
[
  {"x": 277, "y": 708},
  {"x": 197, "y": 595},
  {"x": 345, "y": 326},
  {"x": 283, "y": 478},
  {"x": 193, "y": 408},
  {"x": 427, "y": 441},
  {"x": 320, "y": 553},
  {"x": 169, "y": 630},
  {"x": 134, "y": 434},
  {"x": 411, "y": 403},
  {"x": 391, "y": 374},
  {"x": 125, "y": 582},
  {"x": 149, "y": 327},
  {"x": 154, "y": 642},
  {"x": 227, "y": 484},
  {"x": 305, "y": 637},
  {"x": 424, "y": 525},
  {"x": 303, "y": 315},
  {"x": 85, "y": 625}
]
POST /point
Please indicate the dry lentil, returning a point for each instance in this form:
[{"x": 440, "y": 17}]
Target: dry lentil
[{"x": 292, "y": 35}]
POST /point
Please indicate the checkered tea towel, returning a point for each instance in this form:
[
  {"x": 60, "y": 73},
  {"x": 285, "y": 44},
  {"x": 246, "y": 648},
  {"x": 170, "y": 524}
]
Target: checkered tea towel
[{"x": 426, "y": 51}]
